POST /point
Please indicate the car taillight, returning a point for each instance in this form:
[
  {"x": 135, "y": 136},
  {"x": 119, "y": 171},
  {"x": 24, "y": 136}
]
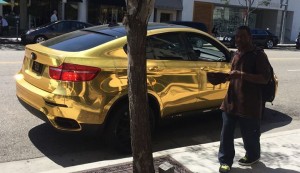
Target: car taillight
[{"x": 73, "y": 72}]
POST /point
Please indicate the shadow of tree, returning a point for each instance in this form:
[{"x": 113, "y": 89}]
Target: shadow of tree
[
  {"x": 260, "y": 167},
  {"x": 69, "y": 149}
]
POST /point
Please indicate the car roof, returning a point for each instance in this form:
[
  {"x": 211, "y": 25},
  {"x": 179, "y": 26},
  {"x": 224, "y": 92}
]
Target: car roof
[
  {"x": 119, "y": 30},
  {"x": 72, "y": 21}
]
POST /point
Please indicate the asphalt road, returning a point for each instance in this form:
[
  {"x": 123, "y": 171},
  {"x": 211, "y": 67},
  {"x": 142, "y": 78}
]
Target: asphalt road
[{"x": 27, "y": 141}]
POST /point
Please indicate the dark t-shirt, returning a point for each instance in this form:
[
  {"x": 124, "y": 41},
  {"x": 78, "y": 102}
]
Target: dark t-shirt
[{"x": 244, "y": 98}]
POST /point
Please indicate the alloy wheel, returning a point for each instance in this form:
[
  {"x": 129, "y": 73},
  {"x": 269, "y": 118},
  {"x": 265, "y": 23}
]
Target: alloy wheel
[{"x": 270, "y": 44}]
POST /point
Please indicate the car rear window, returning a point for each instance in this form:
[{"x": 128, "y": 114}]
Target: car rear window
[{"x": 77, "y": 41}]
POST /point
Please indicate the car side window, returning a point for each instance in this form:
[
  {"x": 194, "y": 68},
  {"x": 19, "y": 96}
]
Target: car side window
[
  {"x": 204, "y": 48},
  {"x": 77, "y": 25},
  {"x": 58, "y": 27},
  {"x": 67, "y": 26},
  {"x": 261, "y": 32},
  {"x": 167, "y": 46}
]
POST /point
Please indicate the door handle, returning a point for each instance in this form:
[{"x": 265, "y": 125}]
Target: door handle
[
  {"x": 154, "y": 68},
  {"x": 204, "y": 68}
]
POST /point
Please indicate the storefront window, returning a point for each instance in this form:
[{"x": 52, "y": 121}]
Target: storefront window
[
  {"x": 226, "y": 20},
  {"x": 165, "y": 17},
  {"x": 105, "y": 12},
  {"x": 71, "y": 11},
  {"x": 110, "y": 14}
]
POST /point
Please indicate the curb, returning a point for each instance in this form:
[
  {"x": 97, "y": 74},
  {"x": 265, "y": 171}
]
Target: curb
[
  {"x": 286, "y": 45},
  {"x": 10, "y": 41}
]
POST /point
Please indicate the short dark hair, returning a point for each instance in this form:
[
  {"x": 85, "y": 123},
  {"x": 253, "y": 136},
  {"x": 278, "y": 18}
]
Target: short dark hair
[{"x": 246, "y": 28}]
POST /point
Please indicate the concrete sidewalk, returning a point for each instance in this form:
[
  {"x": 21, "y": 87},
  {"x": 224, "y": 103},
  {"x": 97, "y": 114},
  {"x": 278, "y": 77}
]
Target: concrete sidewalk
[{"x": 280, "y": 154}]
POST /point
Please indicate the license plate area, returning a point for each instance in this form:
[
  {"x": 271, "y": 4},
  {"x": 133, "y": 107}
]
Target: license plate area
[{"x": 37, "y": 67}]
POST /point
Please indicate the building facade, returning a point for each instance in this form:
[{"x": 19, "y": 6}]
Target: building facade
[
  {"x": 214, "y": 13},
  {"x": 229, "y": 16}
]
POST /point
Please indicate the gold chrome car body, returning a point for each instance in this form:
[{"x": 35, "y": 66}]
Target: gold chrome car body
[{"x": 174, "y": 86}]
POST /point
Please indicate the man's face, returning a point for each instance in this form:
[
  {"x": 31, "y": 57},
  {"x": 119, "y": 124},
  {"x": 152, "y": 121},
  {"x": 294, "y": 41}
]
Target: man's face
[{"x": 242, "y": 39}]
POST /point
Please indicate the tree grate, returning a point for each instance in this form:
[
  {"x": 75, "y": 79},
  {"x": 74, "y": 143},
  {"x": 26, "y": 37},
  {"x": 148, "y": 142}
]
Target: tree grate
[{"x": 127, "y": 167}]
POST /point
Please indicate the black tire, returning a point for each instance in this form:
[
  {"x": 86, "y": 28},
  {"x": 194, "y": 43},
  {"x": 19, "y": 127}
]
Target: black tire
[
  {"x": 39, "y": 39},
  {"x": 269, "y": 44},
  {"x": 297, "y": 47},
  {"x": 117, "y": 133}
]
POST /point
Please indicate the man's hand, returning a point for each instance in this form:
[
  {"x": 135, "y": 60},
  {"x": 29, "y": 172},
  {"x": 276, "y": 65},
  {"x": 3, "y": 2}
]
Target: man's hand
[
  {"x": 217, "y": 78},
  {"x": 235, "y": 74}
]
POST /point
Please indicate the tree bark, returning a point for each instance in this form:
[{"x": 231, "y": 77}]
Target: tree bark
[{"x": 136, "y": 21}]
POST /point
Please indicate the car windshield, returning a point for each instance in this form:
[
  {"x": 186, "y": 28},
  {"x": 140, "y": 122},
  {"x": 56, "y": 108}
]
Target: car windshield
[{"x": 72, "y": 42}]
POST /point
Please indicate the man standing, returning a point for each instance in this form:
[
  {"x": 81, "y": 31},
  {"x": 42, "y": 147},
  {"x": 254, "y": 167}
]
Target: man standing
[
  {"x": 54, "y": 16},
  {"x": 243, "y": 102},
  {"x": 5, "y": 26}
]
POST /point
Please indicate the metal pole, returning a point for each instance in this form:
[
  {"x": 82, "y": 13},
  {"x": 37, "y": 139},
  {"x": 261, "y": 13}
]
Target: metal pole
[
  {"x": 283, "y": 22},
  {"x": 63, "y": 9},
  {"x": 17, "y": 18}
]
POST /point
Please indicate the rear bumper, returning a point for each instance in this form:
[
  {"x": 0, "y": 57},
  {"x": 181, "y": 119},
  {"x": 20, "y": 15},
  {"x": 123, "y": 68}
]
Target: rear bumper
[
  {"x": 52, "y": 109},
  {"x": 26, "y": 39}
]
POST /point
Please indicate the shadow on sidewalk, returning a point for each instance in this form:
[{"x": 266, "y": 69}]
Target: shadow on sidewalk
[
  {"x": 260, "y": 167},
  {"x": 69, "y": 149}
]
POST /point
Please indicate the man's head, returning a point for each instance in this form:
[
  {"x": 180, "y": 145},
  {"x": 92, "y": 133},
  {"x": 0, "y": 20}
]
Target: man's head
[
  {"x": 54, "y": 12},
  {"x": 243, "y": 37}
]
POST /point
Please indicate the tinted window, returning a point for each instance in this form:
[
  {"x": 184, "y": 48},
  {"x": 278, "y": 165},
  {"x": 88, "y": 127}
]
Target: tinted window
[
  {"x": 62, "y": 27},
  {"x": 77, "y": 25},
  {"x": 167, "y": 46},
  {"x": 58, "y": 27},
  {"x": 260, "y": 32},
  {"x": 204, "y": 48},
  {"x": 77, "y": 41}
]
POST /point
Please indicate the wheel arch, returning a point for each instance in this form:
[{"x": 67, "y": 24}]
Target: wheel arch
[{"x": 153, "y": 103}]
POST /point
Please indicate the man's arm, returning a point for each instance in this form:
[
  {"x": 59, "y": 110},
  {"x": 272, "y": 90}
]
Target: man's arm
[{"x": 254, "y": 78}]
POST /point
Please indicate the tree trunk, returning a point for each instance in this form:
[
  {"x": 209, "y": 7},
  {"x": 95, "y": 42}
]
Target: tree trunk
[{"x": 136, "y": 21}]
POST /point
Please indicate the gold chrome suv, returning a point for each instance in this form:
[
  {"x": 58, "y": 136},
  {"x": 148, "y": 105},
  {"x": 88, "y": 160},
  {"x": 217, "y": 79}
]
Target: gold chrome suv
[{"x": 79, "y": 80}]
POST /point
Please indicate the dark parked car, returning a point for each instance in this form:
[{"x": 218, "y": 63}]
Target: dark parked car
[
  {"x": 261, "y": 37},
  {"x": 298, "y": 41},
  {"x": 51, "y": 30},
  {"x": 197, "y": 25}
]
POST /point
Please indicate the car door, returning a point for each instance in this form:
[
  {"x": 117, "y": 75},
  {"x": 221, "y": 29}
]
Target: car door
[
  {"x": 209, "y": 57},
  {"x": 176, "y": 84}
]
